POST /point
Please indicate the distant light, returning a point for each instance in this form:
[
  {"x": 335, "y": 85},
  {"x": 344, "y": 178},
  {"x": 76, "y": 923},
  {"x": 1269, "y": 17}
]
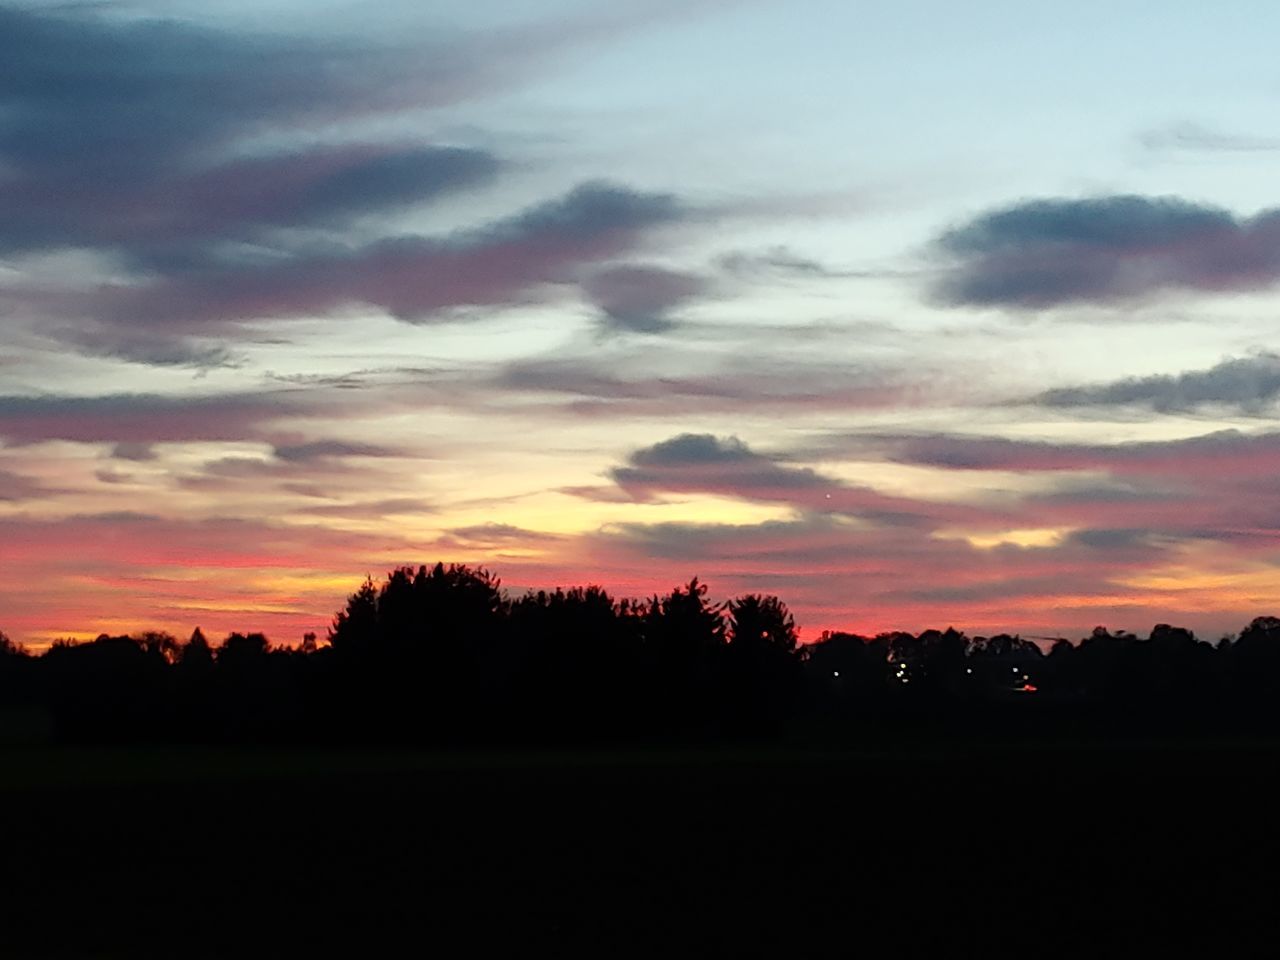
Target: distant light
[
  {"x": 1014, "y": 669},
  {"x": 968, "y": 669},
  {"x": 905, "y": 680},
  {"x": 835, "y": 673}
]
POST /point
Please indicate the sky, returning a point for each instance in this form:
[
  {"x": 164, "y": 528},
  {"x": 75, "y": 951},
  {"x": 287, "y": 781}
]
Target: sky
[{"x": 913, "y": 313}]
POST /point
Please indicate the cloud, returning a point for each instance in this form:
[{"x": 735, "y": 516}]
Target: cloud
[
  {"x": 134, "y": 451},
  {"x": 1225, "y": 451},
  {"x": 1218, "y": 486},
  {"x": 694, "y": 449},
  {"x": 780, "y": 262},
  {"x": 1197, "y": 137},
  {"x": 640, "y": 299},
  {"x": 834, "y": 571},
  {"x": 702, "y": 463},
  {"x": 156, "y": 350},
  {"x": 15, "y": 487},
  {"x": 1047, "y": 253},
  {"x": 498, "y": 538},
  {"x": 205, "y": 162},
  {"x": 328, "y": 449},
  {"x": 131, "y": 132},
  {"x": 113, "y": 477},
  {"x": 135, "y": 421},
  {"x": 175, "y": 217},
  {"x": 1248, "y": 384},
  {"x": 410, "y": 277},
  {"x": 666, "y": 383}
]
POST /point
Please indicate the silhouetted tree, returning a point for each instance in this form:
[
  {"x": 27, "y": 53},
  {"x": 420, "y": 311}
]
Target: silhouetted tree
[
  {"x": 440, "y": 654},
  {"x": 10, "y": 648},
  {"x": 196, "y": 652}
]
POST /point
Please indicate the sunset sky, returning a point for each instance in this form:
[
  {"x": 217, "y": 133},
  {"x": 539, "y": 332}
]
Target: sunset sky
[{"x": 913, "y": 313}]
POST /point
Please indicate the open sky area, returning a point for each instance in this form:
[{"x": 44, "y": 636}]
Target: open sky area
[{"x": 914, "y": 313}]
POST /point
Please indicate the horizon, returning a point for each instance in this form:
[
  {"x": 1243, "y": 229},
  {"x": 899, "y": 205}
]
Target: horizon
[
  {"x": 913, "y": 316},
  {"x": 722, "y": 604}
]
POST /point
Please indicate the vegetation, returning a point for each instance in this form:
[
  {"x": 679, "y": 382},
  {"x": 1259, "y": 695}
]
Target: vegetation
[{"x": 442, "y": 655}]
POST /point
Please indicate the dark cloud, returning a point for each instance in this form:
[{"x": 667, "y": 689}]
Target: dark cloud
[
  {"x": 702, "y": 463},
  {"x": 135, "y": 421},
  {"x": 113, "y": 477},
  {"x": 410, "y": 277},
  {"x": 1046, "y": 253},
  {"x": 1222, "y": 451},
  {"x": 694, "y": 448},
  {"x": 1110, "y": 539},
  {"x": 174, "y": 219},
  {"x": 328, "y": 449},
  {"x": 137, "y": 452},
  {"x": 155, "y": 350},
  {"x": 203, "y": 160},
  {"x": 641, "y": 299},
  {"x": 15, "y": 486},
  {"x": 1248, "y": 384},
  {"x": 129, "y": 133}
]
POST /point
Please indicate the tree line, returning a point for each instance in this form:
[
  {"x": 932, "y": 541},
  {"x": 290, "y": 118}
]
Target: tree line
[{"x": 442, "y": 655}]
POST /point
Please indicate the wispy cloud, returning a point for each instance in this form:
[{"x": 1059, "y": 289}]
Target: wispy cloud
[
  {"x": 1247, "y": 384},
  {"x": 1189, "y": 136},
  {"x": 133, "y": 422}
]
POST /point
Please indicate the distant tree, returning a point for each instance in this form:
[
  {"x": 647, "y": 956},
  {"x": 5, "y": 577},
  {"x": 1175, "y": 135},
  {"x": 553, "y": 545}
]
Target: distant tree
[
  {"x": 759, "y": 621},
  {"x": 441, "y": 606},
  {"x": 1254, "y": 664},
  {"x": 764, "y": 670},
  {"x": 684, "y": 637},
  {"x": 162, "y": 645},
  {"x": 242, "y": 650},
  {"x": 196, "y": 652},
  {"x": 355, "y": 628},
  {"x": 10, "y": 648},
  {"x": 685, "y": 622}
]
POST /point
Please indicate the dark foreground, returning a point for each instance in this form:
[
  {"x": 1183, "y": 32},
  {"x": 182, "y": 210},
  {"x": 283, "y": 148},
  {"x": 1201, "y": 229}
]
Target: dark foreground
[{"x": 1123, "y": 850}]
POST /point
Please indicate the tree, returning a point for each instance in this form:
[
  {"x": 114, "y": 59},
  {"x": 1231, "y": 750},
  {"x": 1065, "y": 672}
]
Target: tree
[
  {"x": 162, "y": 645},
  {"x": 10, "y": 648},
  {"x": 685, "y": 622},
  {"x": 759, "y": 621},
  {"x": 355, "y": 628}
]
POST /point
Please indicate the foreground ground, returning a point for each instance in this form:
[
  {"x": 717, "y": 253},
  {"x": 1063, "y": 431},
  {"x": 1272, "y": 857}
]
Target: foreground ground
[{"x": 1126, "y": 849}]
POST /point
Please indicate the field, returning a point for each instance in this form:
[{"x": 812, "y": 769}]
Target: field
[{"x": 1123, "y": 849}]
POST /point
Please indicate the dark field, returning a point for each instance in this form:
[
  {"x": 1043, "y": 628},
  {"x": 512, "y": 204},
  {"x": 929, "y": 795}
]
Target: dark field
[{"x": 1119, "y": 850}]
